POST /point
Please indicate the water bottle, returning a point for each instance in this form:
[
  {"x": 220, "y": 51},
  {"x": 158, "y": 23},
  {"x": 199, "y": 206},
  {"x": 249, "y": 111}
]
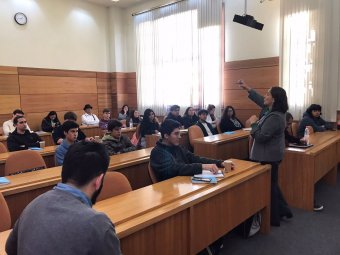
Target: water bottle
[
  {"x": 306, "y": 136},
  {"x": 131, "y": 123}
]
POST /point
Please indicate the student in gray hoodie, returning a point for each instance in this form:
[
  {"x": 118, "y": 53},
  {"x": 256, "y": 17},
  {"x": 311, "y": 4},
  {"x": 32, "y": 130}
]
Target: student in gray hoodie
[
  {"x": 114, "y": 141},
  {"x": 312, "y": 118}
]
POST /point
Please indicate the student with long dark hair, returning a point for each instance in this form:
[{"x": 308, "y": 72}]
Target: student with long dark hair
[
  {"x": 50, "y": 122},
  {"x": 135, "y": 118},
  {"x": 269, "y": 146},
  {"x": 124, "y": 113},
  {"x": 229, "y": 122},
  {"x": 148, "y": 126},
  {"x": 189, "y": 118}
]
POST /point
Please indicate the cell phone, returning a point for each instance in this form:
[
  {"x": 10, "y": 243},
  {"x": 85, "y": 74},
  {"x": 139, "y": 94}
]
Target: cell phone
[{"x": 201, "y": 179}]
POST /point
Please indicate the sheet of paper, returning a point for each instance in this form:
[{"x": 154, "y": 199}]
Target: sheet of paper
[{"x": 207, "y": 174}]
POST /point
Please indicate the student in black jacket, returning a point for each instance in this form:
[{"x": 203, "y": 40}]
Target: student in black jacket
[
  {"x": 58, "y": 133},
  {"x": 189, "y": 118},
  {"x": 21, "y": 138},
  {"x": 50, "y": 122},
  {"x": 229, "y": 122},
  {"x": 174, "y": 114},
  {"x": 206, "y": 127}
]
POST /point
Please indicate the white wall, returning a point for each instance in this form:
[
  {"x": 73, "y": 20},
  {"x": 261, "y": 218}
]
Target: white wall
[
  {"x": 243, "y": 42},
  {"x": 61, "y": 34}
]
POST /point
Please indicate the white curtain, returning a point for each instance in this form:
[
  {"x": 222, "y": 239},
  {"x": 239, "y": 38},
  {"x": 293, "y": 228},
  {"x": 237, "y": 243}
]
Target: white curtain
[
  {"x": 179, "y": 56},
  {"x": 310, "y": 53}
]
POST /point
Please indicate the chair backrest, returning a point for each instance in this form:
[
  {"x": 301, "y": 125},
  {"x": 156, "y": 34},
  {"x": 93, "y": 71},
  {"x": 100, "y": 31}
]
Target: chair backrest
[
  {"x": 21, "y": 161},
  {"x": 294, "y": 128},
  {"x": 247, "y": 124},
  {"x": 218, "y": 127},
  {"x": 3, "y": 148},
  {"x": 152, "y": 174},
  {"x": 115, "y": 183},
  {"x": 5, "y": 222},
  {"x": 138, "y": 131},
  {"x": 123, "y": 122},
  {"x": 194, "y": 132},
  {"x": 1, "y": 131}
]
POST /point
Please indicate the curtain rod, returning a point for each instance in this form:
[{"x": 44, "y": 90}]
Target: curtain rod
[{"x": 157, "y": 7}]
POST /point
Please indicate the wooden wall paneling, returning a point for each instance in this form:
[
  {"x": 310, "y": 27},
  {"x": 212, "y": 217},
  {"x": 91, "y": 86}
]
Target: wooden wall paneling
[
  {"x": 58, "y": 102},
  {"x": 238, "y": 98},
  {"x": 8, "y": 103},
  {"x": 129, "y": 99},
  {"x": 9, "y": 84},
  {"x": 56, "y": 85},
  {"x": 8, "y": 70},
  {"x": 55, "y": 72},
  {"x": 252, "y": 63},
  {"x": 127, "y": 86},
  {"x": 103, "y": 86}
]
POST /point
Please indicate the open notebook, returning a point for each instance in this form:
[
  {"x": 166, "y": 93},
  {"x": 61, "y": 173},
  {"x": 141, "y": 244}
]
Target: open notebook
[{"x": 208, "y": 174}]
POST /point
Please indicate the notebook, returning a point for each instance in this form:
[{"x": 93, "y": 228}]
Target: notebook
[
  {"x": 4, "y": 180},
  {"x": 198, "y": 180},
  {"x": 208, "y": 174},
  {"x": 35, "y": 149}
]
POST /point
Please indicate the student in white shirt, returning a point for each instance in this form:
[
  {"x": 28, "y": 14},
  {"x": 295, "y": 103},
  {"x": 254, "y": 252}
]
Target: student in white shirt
[
  {"x": 211, "y": 115},
  {"x": 88, "y": 118},
  {"x": 8, "y": 126},
  {"x": 206, "y": 127}
]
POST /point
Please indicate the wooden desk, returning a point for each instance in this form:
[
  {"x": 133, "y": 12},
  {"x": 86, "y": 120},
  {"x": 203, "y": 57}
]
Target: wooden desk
[
  {"x": 92, "y": 131},
  {"x": 151, "y": 140},
  {"x": 27, "y": 186},
  {"x": 47, "y": 153},
  {"x": 45, "y": 136},
  {"x": 302, "y": 168},
  {"x": 178, "y": 217},
  {"x": 223, "y": 146}
]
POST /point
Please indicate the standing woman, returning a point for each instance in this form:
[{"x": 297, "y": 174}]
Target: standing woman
[
  {"x": 229, "y": 122},
  {"x": 269, "y": 146},
  {"x": 148, "y": 126},
  {"x": 189, "y": 118},
  {"x": 50, "y": 122}
]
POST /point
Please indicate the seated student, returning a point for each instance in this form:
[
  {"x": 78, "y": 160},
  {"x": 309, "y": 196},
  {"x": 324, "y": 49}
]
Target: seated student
[
  {"x": 21, "y": 138},
  {"x": 168, "y": 159},
  {"x": 189, "y": 118},
  {"x": 206, "y": 127},
  {"x": 8, "y": 126},
  {"x": 62, "y": 220},
  {"x": 312, "y": 118},
  {"x": 114, "y": 141},
  {"x": 135, "y": 118},
  {"x": 124, "y": 113},
  {"x": 229, "y": 122},
  {"x": 50, "y": 122},
  {"x": 70, "y": 129},
  {"x": 211, "y": 115},
  {"x": 174, "y": 114},
  {"x": 88, "y": 118},
  {"x": 105, "y": 119},
  {"x": 148, "y": 126},
  {"x": 58, "y": 133},
  {"x": 292, "y": 139}
]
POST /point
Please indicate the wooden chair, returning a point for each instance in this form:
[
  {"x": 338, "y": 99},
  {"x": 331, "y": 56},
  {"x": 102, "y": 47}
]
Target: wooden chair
[
  {"x": 3, "y": 148},
  {"x": 5, "y": 222},
  {"x": 115, "y": 183},
  {"x": 194, "y": 133},
  {"x": 22, "y": 161},
  {"x": 152, "y": 174}
]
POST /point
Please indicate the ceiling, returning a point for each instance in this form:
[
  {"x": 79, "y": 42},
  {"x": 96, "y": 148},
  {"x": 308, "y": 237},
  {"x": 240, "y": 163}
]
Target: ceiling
[{"x": 121, "y": 3}]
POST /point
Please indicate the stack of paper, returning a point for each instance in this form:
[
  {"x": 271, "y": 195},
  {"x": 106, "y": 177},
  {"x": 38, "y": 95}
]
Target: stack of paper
[{"x": 4, "y": 180}]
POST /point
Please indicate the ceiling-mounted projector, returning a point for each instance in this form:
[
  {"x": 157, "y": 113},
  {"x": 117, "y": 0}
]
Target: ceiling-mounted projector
[{"x": 247, "y": 20}]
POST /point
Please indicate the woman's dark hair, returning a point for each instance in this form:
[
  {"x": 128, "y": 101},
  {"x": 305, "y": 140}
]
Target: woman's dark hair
[
  {"x": 122, "y": 110},
  {"x": 146, "y": 115},
  {"x": 289, "y": 116},
  {"x": 187, "y": 110},
  {"x": 280, "y": 99},
  {"x": 313, "y": 107},
  {"x": 132, "y": 114},
  {"x": 83, "y": 162},
  {"x": 225, "y": 113},
  {"x": 51, "y": 113}
]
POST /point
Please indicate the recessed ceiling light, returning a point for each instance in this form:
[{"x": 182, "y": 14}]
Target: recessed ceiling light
[{"x": 115, "y": 0}]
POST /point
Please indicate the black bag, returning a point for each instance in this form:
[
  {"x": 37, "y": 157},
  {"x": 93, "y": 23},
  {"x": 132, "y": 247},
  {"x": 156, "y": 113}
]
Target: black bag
[{"x": 250, "y": 226}]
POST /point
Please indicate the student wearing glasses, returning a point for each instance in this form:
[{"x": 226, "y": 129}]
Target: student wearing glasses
[{"x": 21, "y": 138}]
